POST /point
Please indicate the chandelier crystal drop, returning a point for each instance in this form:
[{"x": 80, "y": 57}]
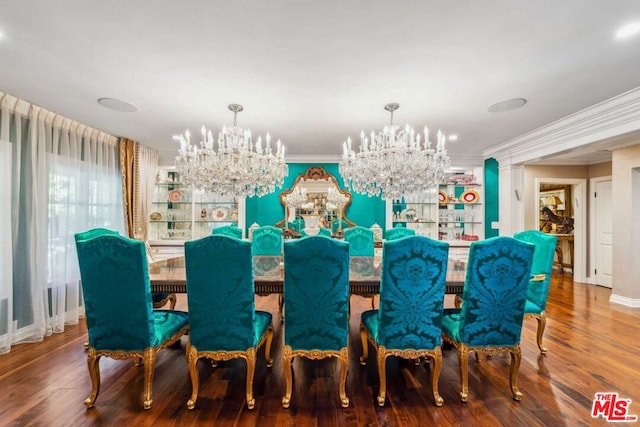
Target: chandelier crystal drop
[
  {"x": 394, "y": 163},
  {"x": 233, "y": 165}
]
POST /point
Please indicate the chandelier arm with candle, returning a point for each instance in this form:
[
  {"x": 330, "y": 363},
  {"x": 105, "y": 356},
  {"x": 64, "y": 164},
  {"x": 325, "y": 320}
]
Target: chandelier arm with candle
[
  {"x": 394, "y": 163},
  {"x": 338, "y": 199},
  {"x": 232, "y": 165}
]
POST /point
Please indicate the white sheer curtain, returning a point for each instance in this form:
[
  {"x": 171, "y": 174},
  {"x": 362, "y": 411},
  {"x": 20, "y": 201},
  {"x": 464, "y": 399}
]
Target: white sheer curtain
[
  {"x": 147, "y": 160},
  {"x": 65, "y": 178},
  {"x": 6, "y": 253}
]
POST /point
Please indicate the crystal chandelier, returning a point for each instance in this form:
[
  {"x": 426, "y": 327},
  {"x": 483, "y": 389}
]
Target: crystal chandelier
[
  {"x": 297, "y": 197},
  {"x": 393, "y": 164},
  {"x": 234, "y": 165}
]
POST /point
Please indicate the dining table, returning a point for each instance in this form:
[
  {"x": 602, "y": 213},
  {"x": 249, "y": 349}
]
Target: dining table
[{"x": 169, "y": 275}]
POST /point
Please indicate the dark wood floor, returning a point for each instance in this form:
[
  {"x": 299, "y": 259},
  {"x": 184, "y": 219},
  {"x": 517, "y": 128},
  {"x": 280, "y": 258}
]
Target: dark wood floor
[{"x": 593, "y": 347}]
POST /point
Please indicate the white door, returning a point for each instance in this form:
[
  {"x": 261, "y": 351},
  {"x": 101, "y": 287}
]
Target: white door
[{"x": 603, "y": 233}]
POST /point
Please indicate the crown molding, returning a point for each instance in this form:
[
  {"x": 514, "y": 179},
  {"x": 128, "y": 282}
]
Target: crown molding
[{"x": 608, "y": 119}]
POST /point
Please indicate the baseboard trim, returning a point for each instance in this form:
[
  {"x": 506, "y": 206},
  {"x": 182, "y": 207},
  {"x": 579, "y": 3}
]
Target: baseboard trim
[{"x": 629, "y": 302}]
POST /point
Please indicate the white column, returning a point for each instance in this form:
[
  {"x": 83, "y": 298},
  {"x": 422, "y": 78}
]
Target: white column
[{"x": 511, "y": 210}]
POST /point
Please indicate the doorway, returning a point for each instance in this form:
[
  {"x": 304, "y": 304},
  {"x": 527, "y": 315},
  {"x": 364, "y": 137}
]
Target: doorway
[
  {"x": 561, "y": 210},
  {"x": 601, "y": 265}
]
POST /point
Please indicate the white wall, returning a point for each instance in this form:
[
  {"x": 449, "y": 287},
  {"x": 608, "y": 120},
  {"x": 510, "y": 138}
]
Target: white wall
[{"x": 626, "y": 225}]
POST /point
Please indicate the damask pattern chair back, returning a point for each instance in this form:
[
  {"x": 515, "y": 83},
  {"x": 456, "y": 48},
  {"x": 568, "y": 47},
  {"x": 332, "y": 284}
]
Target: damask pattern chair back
[
  {"x": 538, "y": 289},
  {"x": 408, "y": 322},
  {"x": 493, "y": 301},
  {"x": 360, "y": 241},
  {"x": 222, "y": 316},
  {"x": 228, "y": 230},
  {"x": 316, "y": 304},
  {"x": 160, "y": 299},
  {"x": 94, "y": 232},
  {"x": 267, "y": 240},
  {"x": 113, "y": 266},
  {"x": 398, "y": 233}
]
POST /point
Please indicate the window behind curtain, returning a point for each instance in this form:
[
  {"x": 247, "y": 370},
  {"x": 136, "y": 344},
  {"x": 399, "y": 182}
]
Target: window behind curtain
[{"x": 81, "y": 196}]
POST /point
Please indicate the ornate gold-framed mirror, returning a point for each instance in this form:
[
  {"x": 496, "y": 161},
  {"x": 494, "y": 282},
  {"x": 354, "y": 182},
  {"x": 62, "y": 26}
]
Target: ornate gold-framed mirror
[{"x": 317, "y": 184}]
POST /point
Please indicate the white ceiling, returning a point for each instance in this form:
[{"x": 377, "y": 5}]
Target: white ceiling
[{"x": 314, "y": 72}]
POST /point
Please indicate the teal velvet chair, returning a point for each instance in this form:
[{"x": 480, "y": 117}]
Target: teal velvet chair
[
  {"x": 398, "y": 233},
  {"x": 322, "y": 232},
  {"x": 493, "y": 300},
  {"x": 296, "y": 225},
  {"x": 159, "y": 299},
  {"x": 541, "y": 271},
  {"x": 228, "y": 230},
  {"x": 360, "y": 241},
  {"x": 408, "y": 322},
  {"x": 335, "y": 225},
  {"x": 120, "y": 319},
  {"x": 267, "y": 240},
  {"x": 266, "y": 248},
  {"x": 316, "y": 303},
  {"x": 223, "y": 321}
]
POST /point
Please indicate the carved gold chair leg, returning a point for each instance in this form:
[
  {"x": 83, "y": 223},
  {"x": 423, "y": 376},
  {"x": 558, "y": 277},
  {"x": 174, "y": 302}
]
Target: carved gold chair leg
[
  {"x": 149, "y": 366},
  {"x": 267, "y": 347},
  {"x": 435, "y": 376},
  {"x": 286, "y": 360},
  {"x": 281, "y": 307},
  {"x": 251, "y": 367},
  {"x": 172, "y": 301},
  {"x": 542, "y": 323},
  {"x": 344, "y": 364},
  {"x": 365, "y": 345},
  {"x": 94, "y": 372},
  {"x": 457, "y": 301},
  {"x": 516, "y": 356},
  {"x": 192, "y": 359},
  {"x": 463, "y": 363},
  {"x": 382, "y": 373}
]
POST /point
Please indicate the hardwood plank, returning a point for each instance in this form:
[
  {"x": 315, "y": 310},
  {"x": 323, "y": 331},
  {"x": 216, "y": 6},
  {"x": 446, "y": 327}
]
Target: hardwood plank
[{"x": 590, "y": 344}]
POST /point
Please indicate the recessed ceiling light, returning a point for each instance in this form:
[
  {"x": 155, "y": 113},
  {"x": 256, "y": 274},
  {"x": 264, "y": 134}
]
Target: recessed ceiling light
[
  {"x": 117, "y": 104},
  {"x": 628, "y": 30},
  {"x": 453, "y": 137},
  {"x": 506, "y": 105}
]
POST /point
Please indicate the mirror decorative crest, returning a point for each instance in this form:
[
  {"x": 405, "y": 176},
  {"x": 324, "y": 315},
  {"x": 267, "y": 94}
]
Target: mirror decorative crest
[{"x": 317, "y": 188}]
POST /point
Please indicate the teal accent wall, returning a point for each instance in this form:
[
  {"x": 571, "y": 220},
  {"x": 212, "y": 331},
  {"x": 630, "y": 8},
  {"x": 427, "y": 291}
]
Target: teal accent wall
[
  {"x": 267, "y": 210},
  {"x": 491, "y": 204}
]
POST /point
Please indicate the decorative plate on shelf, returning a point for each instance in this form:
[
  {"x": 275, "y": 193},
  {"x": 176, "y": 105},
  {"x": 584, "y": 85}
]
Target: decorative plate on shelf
[
  {"x": 175, "y": 196},
  {"x": 469, "y": 196},
  {"x": 220, "y": 213},
  {"x": 409, "y": 215},
  {"x": 155, "y": 216},
  {"x": 442, "y": 198}
]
